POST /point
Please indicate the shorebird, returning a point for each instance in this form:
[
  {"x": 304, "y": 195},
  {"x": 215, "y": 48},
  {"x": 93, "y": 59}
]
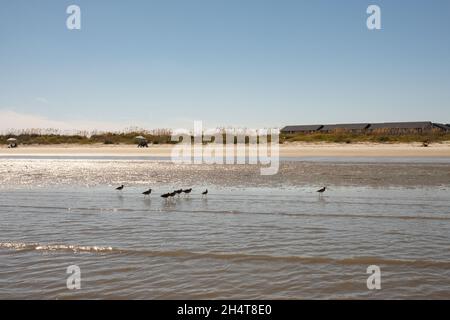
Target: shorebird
[
  {"x": 204, "y": 193},
  {"x": 178, "y": 191},
  {"x": 172, "y": 194},
  {"x": 322, "y": 190},
  {"x": 187, "y": 191},
  {"x": 147, "y": 193},
  {"x": 165, "y": 195},
  {"x": 120, "y": 188}
]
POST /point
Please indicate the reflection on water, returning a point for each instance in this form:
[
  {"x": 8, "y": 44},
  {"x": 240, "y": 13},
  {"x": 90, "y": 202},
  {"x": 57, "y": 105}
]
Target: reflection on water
[
  {"x": 251, "y": 237},
  {"x": 41, "y": 173}
]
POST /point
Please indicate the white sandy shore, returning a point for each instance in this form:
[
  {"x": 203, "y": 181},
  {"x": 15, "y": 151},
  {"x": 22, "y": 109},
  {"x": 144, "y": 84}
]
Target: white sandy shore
[{"x": 286, "y": 150}]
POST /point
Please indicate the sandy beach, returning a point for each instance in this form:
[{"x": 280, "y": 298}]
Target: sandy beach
[{"x": 286, "y": 150}]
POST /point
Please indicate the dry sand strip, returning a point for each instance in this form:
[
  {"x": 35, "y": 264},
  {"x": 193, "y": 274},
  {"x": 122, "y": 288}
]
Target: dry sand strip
[{"x": 285, "y": 150}]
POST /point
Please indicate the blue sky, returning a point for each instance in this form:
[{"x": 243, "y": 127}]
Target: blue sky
[{"x": 250, "y": 63}]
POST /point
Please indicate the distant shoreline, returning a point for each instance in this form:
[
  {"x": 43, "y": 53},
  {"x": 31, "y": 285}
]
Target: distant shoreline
[{"x": 294, "y": 149}]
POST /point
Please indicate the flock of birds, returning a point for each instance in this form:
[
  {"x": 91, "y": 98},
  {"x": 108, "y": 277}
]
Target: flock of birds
[
  {"x": 188, "y": 191},
  {"x": 168, "y": 194}
]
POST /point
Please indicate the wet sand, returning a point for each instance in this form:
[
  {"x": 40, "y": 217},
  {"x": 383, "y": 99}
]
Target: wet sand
[
  {"x": 110, "y": 171},
  {"x": 286, "y": 150}
]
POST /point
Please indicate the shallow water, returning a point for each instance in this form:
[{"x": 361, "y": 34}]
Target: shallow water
[{"x": 251, "y": 237}]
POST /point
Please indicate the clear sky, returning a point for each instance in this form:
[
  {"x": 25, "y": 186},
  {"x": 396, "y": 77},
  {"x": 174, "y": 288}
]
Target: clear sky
[{"x": 252, "y": 63}]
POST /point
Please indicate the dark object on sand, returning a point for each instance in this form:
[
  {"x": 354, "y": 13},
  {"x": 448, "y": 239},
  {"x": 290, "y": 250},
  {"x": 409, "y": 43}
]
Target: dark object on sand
[
  {"x": 12, "y": 142},
  {"x": 143, "y": 144}
]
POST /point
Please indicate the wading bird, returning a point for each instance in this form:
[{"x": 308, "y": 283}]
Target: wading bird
[
  {"x": 120, "y": 188},
  {"x": 187, "y": 191},
  {"x": 204, "y": 193},
  {"x": 147, "y": 193},
  {"x": 321, "y": 190}
]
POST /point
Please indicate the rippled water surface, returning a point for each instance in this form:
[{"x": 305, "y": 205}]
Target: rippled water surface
[{"x": 251, "y": 237}]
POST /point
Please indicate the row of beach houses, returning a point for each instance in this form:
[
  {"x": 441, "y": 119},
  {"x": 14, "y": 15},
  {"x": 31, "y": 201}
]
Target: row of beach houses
[{"x": 385, "y": 127}]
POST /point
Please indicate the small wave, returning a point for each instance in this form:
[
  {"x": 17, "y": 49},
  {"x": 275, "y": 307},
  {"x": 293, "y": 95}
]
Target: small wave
[
  {"x": 52, "y": 247},
  {"x": 231, "y": 256}
]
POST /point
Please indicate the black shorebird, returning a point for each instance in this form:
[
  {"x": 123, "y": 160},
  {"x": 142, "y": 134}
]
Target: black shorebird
[
  {"x": 120, "y": 188},
  {"x": 178, "y": 191},
  {"x": 322, "y": 190},
  {"x": 172, "y": 194},
  {"x": 165, "y": 195},
  {"x": 147, "y": 193},
  {"x": 204, "y": 193},
  {"x": 187, "y": 191}
]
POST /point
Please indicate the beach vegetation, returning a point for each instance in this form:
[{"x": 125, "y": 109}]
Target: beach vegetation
[
  {"x": 380, "y": 136},
  {"x": 163, "y": 136}
]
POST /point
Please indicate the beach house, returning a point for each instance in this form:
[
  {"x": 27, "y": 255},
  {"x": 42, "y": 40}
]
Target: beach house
[
  {"x": 403, "y": 127},
  {"x": 348, "y": 127},
  {"x": 384, "y": 127},
  {"x": 301, "y": 129}
]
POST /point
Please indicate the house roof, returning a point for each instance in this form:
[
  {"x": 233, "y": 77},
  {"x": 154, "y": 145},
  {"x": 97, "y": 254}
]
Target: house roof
[
  {"x": 345, "y": 126},
  {"x": 313, "y": 127},
  {"x": 441, "y": 126},
  {"x": 402, "y": 125},
  {"x": 362, "y": 126}
]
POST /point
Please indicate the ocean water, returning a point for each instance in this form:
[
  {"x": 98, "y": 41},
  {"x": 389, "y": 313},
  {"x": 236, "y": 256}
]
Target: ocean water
[{"x": 252, "y": 237}]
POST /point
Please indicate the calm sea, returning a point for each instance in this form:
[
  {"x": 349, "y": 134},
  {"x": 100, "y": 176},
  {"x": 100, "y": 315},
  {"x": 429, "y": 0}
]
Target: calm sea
[{"x": 253, "y": 237}]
